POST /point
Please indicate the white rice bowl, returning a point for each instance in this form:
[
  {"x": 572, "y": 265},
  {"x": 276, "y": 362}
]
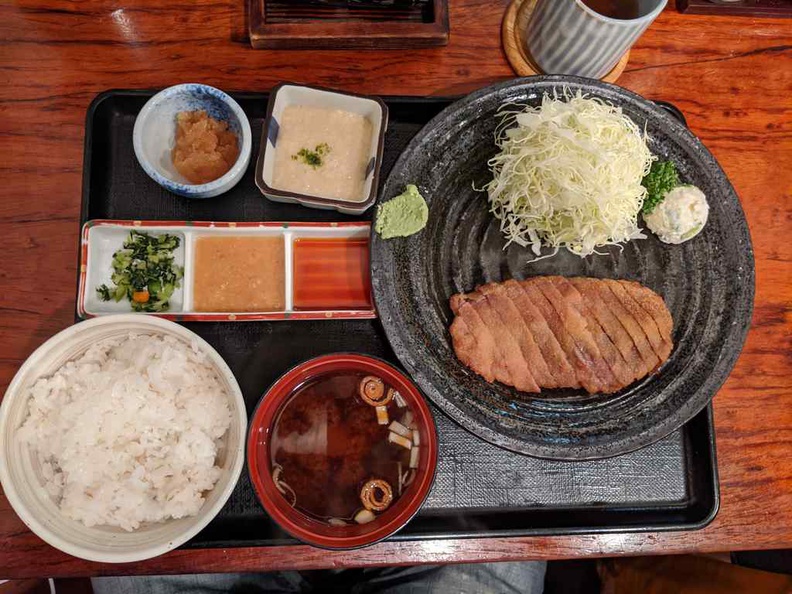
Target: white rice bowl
[
  {"x": 129, "y": 432},
  {"x": 122, "y": 437}
]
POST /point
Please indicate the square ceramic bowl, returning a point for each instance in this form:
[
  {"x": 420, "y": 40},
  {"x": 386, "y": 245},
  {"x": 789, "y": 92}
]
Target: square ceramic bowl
[
  {"x": 105, "y": 241},
  {"x": 154, "y": 135},
  {"x": 287, "y": 94}
]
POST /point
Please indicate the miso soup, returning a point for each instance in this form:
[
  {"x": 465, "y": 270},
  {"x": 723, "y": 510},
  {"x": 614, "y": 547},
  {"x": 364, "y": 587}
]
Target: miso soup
[{"x": 344, "y": 448}]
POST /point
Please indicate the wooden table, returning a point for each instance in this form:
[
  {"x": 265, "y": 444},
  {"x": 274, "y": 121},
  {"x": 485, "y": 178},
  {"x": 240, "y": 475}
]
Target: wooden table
[{"x": 731, "y": 76}]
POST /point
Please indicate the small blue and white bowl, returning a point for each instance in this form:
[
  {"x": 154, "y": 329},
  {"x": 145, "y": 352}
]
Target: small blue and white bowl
[{"x": 155, "y": 135}]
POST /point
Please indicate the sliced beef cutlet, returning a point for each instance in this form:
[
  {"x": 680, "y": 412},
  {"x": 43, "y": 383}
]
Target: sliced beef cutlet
[
  {"x": 513, "y": 321},
  {"x": 558, "y": 367},
  {"x": 610, "y": 325},
  {"x": 509, "y": 366},
  {"x": 599, "y": 332},
  {"x": 557, "y": 332}
]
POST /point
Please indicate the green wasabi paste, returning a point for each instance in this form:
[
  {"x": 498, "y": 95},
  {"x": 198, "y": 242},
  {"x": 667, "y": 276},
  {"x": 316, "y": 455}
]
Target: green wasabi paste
[{"x": 404, "y": 215}]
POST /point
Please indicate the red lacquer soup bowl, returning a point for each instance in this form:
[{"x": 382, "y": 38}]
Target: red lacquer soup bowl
[{"x": 302, "y": 526}]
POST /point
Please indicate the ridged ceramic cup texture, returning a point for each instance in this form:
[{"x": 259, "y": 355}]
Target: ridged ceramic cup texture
[{"x": 568, "y": 37}]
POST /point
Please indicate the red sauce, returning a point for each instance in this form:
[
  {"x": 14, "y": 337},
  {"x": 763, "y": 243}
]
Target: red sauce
[{"x": 331, "y": 273}]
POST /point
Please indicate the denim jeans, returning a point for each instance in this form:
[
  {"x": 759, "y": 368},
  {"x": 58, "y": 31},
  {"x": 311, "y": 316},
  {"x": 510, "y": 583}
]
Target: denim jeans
[{"x": 478, "y": 578}]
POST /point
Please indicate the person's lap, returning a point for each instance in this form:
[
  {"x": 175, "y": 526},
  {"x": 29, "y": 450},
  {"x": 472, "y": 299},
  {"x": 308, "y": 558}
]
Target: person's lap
[{"x": 485, "y": 578}]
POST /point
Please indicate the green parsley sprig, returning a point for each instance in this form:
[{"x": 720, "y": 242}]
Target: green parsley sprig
[{"x": 660, "y": 180}]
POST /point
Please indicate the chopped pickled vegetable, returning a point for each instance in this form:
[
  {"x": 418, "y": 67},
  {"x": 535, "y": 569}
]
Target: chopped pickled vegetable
[{"x": 144, "y": 272}]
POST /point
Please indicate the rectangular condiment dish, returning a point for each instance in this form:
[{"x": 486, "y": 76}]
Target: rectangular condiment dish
[
  {"x": 100, "y": 239},
  {"x": 287, "y": 94}
]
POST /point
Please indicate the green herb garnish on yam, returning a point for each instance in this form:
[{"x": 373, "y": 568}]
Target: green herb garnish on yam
[
  {"x": 312, "y": 158},
  {"x": 144, "y": 272},
  {"x": 661, "y": 179}
]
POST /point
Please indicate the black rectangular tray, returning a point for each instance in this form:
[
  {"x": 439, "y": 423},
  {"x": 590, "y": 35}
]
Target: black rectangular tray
[{"x": 480, "y": 489}]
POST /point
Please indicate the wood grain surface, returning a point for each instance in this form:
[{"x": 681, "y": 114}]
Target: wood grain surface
[{"x": 731, "y": 76}]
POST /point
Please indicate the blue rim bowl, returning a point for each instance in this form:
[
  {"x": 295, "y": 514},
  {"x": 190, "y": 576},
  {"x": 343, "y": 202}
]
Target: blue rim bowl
[{"x": 155, "y": 131}]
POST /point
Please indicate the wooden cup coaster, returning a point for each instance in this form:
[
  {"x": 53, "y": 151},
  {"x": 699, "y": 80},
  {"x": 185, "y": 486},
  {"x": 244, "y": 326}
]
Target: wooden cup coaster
[{"x": 515, "y": 21}]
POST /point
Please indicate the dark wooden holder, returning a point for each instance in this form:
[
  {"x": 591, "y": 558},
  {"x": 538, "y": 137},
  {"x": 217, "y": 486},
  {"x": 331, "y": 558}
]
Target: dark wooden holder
[
  {"x": 753, "y": 8},
  {"x": 284, "y": 24}
]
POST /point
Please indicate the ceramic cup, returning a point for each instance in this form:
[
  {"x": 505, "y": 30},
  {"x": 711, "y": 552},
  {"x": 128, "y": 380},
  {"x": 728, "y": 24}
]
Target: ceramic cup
[{"x": 568, "y": 37}]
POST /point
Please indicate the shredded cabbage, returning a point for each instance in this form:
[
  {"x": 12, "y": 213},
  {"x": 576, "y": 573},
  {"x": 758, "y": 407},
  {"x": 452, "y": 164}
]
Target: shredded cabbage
[{"x": 568, "y": 174}]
